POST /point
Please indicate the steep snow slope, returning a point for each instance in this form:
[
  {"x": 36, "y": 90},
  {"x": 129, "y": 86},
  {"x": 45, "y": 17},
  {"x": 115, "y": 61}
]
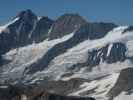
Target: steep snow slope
[
  {"x": 4, "y": 27},
  {"x": 78, "y": 54},
  {"x": 21, "y": 58}
]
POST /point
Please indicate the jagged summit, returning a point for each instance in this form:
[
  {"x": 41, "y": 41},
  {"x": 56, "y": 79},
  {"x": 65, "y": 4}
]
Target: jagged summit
[
  {"x": 71, "y": 15},
  {"x": 66, "y": 24},
  {"x": 23, "y": 30},
  {"x": 42, "y": 29},
  {"x": 26, "y": 13}
]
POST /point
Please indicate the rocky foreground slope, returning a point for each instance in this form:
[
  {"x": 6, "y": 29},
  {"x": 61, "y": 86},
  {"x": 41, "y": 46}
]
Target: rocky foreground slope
[
  {"x": 9, "y": 92},
  {"x": 68, "y": 58}
]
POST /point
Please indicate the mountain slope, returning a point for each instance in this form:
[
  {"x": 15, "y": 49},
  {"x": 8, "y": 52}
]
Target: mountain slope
[
  {"x": 91, "y": 60},
  {"x": 78, "y": 62}
]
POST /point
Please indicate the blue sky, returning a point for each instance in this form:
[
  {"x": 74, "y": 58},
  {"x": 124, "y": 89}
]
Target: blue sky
[{"x": 118, "y": 11}]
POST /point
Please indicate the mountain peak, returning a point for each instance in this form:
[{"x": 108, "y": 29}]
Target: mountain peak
[
  {"x": 70, "y": 15},
  {"x": 26, "y": 13},
  {"x": 66, "y": 24}
]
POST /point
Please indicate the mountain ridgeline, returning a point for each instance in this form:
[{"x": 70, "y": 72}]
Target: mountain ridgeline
[{"x": 29, "y": 28}]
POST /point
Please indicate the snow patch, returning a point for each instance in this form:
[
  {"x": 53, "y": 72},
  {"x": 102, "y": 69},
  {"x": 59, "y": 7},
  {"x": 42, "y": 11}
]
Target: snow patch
[
  {"x": 109, "y": 49},
  {"x": 124, "y": 96}
]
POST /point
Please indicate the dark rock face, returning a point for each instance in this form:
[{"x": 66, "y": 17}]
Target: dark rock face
[
  {"x": 32, "y": 28},
  {"x": 66, "y": 24},
  {"x": 124, "y": 83},
  {"x": 41, "y": 30},
  {"x": 26, "y": 30},
  {"x": 24, "y": 26},
  {"x": 117, "y": 53},
  {"x": 9, "y": 93},
  {"x": 5, "y": 45},
  {"x": 95, "y": 30},
  {"x": 97, "y": 55},
  {"x": 58, "y": 97},
  {"x": 3, "y": 61}
]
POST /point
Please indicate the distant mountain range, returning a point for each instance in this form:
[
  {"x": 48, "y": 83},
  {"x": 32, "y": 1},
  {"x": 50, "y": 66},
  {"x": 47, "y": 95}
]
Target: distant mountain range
[{"x": 69, "y": 58}]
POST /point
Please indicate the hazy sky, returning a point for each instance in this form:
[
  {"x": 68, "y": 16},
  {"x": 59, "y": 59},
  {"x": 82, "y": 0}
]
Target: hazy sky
[{"x": 118, "y": 11}]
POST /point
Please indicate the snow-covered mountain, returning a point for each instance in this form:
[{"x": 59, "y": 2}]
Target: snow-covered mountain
[{"x": 68, "y": 56}]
